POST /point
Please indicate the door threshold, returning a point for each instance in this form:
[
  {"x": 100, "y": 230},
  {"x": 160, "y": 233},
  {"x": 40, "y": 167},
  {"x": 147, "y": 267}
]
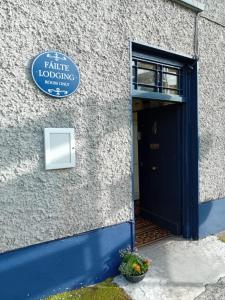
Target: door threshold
[{"x": 148, "y": 233}]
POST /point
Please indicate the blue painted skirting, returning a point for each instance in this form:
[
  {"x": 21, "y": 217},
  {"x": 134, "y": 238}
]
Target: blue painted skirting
[
  {"x": 41, "y": 270},
  {"x": 211, "y": 217}
]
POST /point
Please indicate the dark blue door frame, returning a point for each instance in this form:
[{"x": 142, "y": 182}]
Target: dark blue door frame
[
  {"x": 191, "y": 150},
  {"x": 189, "y": 124}
]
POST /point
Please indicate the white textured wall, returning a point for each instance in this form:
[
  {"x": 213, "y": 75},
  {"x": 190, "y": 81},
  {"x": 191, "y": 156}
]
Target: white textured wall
[
  {"x": 35, "y": 205},
  {"x": 212, "y": 101}
]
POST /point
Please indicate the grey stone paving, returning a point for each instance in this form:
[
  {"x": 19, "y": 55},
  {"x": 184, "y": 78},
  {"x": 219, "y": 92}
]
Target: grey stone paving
[
  {"x": 214, "y": 291},
  {"x": 181, "y": 270}
]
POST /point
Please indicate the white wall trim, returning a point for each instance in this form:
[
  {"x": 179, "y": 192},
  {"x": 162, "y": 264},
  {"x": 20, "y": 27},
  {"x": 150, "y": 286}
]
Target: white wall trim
[{"x": 195, "y": 5}]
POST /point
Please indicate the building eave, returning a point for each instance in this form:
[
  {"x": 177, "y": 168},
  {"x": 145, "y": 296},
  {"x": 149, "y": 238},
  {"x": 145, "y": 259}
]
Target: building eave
[{"x": 194, "y": 5}]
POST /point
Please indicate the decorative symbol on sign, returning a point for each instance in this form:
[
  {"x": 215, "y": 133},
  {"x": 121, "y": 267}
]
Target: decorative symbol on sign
[
  {"x": 56, "y": 57},
  {"x": 57, "y": 92}
]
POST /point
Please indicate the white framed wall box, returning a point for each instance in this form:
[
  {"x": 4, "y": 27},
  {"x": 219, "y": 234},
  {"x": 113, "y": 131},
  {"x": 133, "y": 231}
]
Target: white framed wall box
[{"x": 59, "y": 148}]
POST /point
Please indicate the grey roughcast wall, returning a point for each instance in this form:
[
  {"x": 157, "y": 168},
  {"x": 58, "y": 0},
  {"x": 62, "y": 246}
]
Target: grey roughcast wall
[
  {"x": 212, "y": 100},
  {"x": 36, "y": 205}
]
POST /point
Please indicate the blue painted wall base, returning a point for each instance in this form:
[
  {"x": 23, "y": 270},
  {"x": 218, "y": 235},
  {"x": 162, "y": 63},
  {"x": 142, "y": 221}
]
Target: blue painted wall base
[
  {"x": 49, "y": 268},
  {"x": 211, "y": 217}
]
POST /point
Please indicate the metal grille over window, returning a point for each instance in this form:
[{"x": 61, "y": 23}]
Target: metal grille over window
[{"x": 154, "y": 77}]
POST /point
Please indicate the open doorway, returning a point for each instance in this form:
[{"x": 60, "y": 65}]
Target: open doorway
[
  {"x": 165, "y": 119},
  {"x": 157, "y": 134}
]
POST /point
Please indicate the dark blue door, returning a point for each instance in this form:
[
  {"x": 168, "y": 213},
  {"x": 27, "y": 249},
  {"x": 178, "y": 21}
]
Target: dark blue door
[{"x": 160, "y": 165}]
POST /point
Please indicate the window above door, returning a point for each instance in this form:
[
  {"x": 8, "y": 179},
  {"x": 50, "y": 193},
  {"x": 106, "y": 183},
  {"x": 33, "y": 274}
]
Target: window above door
[
  {"x": 158, "y": 74},
  {"x": 156, "y": 77}
]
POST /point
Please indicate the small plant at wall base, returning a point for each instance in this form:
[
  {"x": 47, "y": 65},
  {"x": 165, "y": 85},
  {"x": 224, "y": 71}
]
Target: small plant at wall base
[{"x": 133, "y": 266}]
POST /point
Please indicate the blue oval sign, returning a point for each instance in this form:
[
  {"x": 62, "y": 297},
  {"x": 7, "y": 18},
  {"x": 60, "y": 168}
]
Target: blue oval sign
[{"x": 55, "y": 74}]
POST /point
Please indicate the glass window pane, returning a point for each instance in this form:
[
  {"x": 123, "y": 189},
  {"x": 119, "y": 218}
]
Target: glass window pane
[
  {"x": 146, "y": 76},
  {"x": 146, "y": 65},
  {"x": 170, "y": 81},
  {"x": 133, "y": 63},
  {"x": 133, "y": 74},
  {"x": 146, "y": 88},
  {"x": 170, "y": 92},
  {"x": 170, "y": 70}
]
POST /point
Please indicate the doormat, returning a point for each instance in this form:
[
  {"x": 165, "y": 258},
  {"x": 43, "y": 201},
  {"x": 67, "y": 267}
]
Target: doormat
[{"x": 148, "y": 233}]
